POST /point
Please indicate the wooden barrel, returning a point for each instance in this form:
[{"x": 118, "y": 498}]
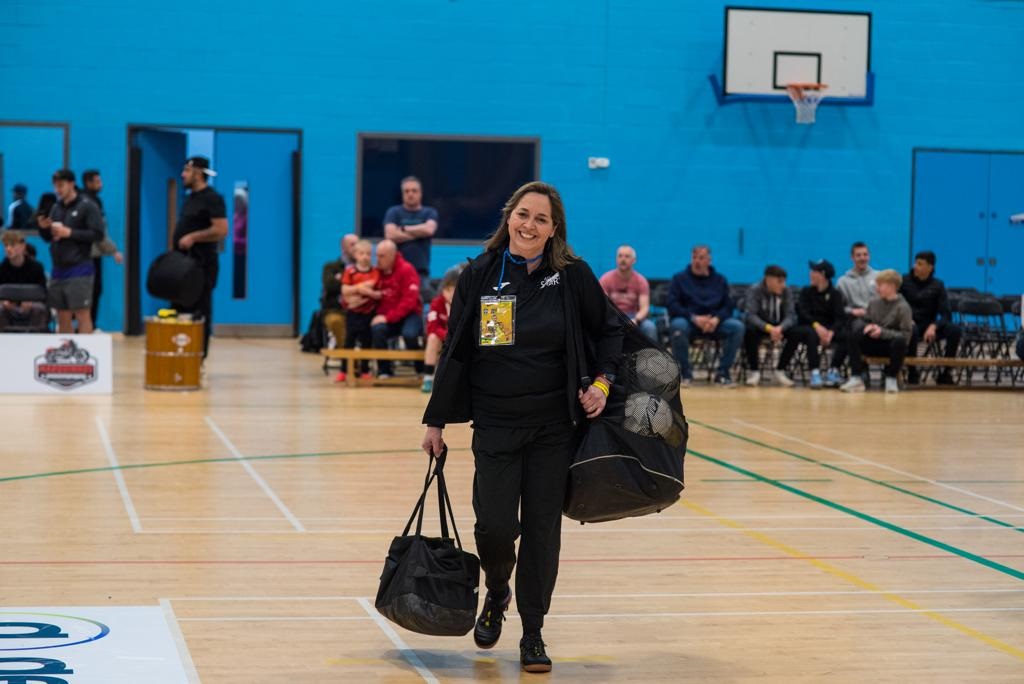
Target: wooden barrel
[{"x": 174, "y": 354}]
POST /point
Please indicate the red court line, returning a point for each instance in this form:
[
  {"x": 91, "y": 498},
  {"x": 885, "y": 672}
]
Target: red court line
[{"x": 685, "y": 559}]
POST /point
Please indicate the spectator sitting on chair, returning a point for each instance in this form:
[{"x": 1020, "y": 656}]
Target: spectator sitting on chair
[
  {"x": 699, "y": 304},
  {"x": 400, "y": 309},
  {"x": 769, "y": 312},
  {"x": 630, "y": 291},
  {"x": 437, "y": 325},
  {"x": 330, "y": 300},
  {"x": 359, "y": 293},
  {"x": 20, "y": 269},
  {"x": 821, "y": 322},
  {"x": 926, "y": 296},
  {"x": 885, "y": 330},
  {"x": 858, "y": 284}
]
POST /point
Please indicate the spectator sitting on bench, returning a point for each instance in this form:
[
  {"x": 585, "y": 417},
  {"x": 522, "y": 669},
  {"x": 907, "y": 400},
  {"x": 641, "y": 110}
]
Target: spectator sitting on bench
[
  {"x": 359, "y": 295},
  {"x": 699, "y": 304},
  {"x": 331, "y": 301},
  {"x": 437, "y": 325},
  {"x": 1020, "y": 333},
  {"x": 20, "y": 269},
  {"x": 884, "y": 330},
  {"x": 400, "y": 309},
  {"x": 769, "y": 312},
  {"x": 822, "y": 322},
  {"x": 858, "y": 284},
  {"x": 926, "y": 296}
]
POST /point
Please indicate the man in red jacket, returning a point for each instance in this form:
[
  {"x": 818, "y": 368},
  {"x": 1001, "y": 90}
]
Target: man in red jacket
[{"x": 400, "y": 309}]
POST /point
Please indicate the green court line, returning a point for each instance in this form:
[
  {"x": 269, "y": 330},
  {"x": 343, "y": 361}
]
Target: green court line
[
  {"x": 200, "y": 461},
  {"x": 967, "y": 555},
  {"x": 747, "y": 479},
  {"x": 881, "y": 483}
]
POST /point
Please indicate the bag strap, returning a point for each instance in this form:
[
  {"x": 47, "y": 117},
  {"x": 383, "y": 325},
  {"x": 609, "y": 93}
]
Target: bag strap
[{"x": 435, "y": 470}]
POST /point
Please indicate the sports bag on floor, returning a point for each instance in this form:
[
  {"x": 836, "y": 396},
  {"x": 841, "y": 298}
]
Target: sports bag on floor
[
  {"x": 429, "y": 584},
  {"x": 630, "y": 460}
]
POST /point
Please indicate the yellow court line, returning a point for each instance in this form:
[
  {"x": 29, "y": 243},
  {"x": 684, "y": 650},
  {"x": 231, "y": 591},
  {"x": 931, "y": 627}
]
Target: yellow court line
[{"x": 859, "y": 582}]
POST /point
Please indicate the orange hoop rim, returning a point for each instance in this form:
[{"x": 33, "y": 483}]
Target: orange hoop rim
[{"x": 806, "y": 86}]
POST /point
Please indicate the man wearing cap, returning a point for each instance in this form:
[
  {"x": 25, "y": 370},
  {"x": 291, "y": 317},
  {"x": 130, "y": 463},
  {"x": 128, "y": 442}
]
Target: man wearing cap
[
  {"x": 411, "y": 226},
  {"x": 19, "y": 211},
  {"x": 821, "y": 318},
  {"x": 929, "y": 305},
  {"x": 92, "y": 184},
  {"x": 201, "y": 225},
  {"x": 73, "y": 225}
]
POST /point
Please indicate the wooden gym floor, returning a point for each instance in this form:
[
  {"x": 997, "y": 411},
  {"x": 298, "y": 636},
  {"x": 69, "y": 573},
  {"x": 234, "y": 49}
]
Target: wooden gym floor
[{"x": 822, "y": 537}]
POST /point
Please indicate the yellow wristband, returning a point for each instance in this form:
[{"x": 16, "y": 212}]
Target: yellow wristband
[
  {"x": 815, "y": 325},
  {"x": 599, "y": 384},
  {"x": 767, "y": 327}
]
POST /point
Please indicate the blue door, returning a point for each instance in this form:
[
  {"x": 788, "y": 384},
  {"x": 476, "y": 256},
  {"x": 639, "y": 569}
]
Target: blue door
[
  {"x": 161, "y": 156},
  {"x": 255, "y": 290},
  {"x": 951, "y": 214},
  {"x": 1005, "y": 240}
]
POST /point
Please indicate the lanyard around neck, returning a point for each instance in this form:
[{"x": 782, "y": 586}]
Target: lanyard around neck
[{"x": 519, "y": 261}]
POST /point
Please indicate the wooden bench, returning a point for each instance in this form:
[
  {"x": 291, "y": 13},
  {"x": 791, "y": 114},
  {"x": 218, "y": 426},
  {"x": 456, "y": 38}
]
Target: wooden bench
[
  {"x": 353, "y": 355},
  {"x": 937, "y": 362}
]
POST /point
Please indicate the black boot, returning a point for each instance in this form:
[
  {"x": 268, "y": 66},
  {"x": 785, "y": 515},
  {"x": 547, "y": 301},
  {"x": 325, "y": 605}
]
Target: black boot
[
  {"x": 531, "y": 653},
  {"x": 488, "y": 625},
  {"x": 945, "y": 378}
]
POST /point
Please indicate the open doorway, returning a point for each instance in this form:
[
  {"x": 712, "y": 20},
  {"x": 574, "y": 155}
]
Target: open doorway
[{"x": 259, "y": 177}]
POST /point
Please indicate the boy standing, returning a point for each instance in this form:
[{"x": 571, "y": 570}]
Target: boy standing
[{"x": 359, "y": 297}]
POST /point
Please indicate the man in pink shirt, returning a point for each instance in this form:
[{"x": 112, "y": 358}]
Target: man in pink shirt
[{"x": 630, "y": 291}]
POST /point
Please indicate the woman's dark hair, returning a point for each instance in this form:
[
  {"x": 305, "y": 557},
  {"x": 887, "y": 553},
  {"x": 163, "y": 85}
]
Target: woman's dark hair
[{"x": 559, "y": 252}]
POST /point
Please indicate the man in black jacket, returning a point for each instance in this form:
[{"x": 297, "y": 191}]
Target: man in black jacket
[
  {"x": 821, "y": 317},
  {"x": 73, "y": 225},
  {"x": 18, "y": 268},
  {"x": 330, "y": 294},
  {"x": 929, "y": 304}
]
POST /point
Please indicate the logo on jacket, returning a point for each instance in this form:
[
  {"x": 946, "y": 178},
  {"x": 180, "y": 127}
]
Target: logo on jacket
[
  {"x": 550, "y": 280},
  {"x": 66, "y": 366}
]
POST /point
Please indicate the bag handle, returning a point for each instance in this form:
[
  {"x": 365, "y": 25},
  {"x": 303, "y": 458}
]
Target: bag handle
[{"x": 435, "y": 470}]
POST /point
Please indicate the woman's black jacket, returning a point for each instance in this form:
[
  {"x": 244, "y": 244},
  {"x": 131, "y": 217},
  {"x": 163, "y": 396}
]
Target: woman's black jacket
[{"x": 593, "y": 331}]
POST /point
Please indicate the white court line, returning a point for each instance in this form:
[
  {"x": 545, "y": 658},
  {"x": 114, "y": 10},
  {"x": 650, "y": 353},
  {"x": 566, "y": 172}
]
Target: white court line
[
  {"x": 699, "y": 594},
  {"x": 407, "y": 653},
  {"x": 179, "y": 641},
  {"x": 866, "y": 461},
  {"x": 614, "y": 530},
  {"x": 118, "y": 477},
  {"x": 256, "y": 476},
  {"x": 664, "y": 516}
]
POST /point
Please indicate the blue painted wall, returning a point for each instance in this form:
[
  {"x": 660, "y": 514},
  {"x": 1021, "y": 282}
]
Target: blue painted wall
[{"x": 611, "y": 78}]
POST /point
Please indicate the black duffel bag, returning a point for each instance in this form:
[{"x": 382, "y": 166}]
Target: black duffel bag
[
  {"x": 176, "y": 277},
  {"x": 429, "y": 584},
  {"x": 630, "y": 460}
]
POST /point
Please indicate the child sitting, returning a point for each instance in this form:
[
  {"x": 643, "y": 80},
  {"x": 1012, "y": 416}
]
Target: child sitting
[
  {"x": 437, "y": 325},
  {"x": 359, "y": 297}
]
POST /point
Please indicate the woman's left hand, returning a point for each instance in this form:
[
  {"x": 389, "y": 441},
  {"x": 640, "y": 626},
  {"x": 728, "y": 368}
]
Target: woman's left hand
[{"x": 592, "y": 401}]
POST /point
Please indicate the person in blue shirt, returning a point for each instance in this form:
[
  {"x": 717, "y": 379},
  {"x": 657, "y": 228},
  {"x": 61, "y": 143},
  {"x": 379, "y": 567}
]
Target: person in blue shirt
[
  {"x": 699, "y": 304},
  {"x": 411, "y": 226}
]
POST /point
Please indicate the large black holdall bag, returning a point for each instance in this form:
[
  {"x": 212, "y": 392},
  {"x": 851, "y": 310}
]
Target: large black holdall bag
[
  {"x": 176, "y": 277},
  {"x": 429, "y": 584},
  {"x": 630, "y": 460}
]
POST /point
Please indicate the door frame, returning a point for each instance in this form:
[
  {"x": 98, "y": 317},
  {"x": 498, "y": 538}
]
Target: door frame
[
  {"x": 913, "y": 181},
  {"x": 133, "y": 272}
]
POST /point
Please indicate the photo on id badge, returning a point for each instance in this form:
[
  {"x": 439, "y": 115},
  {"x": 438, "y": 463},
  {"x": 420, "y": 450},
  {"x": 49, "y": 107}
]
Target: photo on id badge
[{"x": 497, "y": 321}]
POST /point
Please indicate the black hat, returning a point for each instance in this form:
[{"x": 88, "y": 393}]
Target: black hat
[
  {"x": 19, "y": 189},
  {"x": 201, "y": 163},
  {"x": 823, "y": 266}
]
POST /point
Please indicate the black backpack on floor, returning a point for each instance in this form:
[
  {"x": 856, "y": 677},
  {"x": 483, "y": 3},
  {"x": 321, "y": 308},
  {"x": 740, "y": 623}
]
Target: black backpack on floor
[
  {"x": 314, "y": 339},
  {"x": 429, "y": 584}
]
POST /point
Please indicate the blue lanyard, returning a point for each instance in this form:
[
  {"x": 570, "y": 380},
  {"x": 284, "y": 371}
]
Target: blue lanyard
[{"x": 518, "y": 261}]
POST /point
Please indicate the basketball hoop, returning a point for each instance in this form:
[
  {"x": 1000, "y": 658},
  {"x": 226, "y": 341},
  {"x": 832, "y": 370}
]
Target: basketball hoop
[{"x": 805, "y": 97}]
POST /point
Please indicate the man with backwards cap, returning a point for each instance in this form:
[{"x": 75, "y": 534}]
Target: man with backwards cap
[
  {"x": 201, "y": 225},
  {"x": 820, "y": 321}
]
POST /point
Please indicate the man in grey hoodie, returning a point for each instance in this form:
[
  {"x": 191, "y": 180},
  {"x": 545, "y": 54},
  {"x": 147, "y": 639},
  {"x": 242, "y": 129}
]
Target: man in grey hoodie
[
  {"x": 769, "y": 311},
  {"x": 858, "y": 284},
  {"x": 884, "y": 330}
]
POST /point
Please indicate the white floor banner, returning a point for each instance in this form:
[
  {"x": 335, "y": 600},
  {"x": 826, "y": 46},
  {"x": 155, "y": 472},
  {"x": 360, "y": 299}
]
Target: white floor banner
[
  {"x": 83, "y": 645},
  {"x": 56, "y": 364}
]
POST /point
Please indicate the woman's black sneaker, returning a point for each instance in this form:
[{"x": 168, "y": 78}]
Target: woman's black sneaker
[
  {"x": 531, "y": 654},
  {"x": 488, "y": 625}
]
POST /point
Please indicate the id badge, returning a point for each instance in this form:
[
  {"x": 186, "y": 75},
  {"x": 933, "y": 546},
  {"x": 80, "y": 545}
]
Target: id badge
[{"x": 497, "y": 321}]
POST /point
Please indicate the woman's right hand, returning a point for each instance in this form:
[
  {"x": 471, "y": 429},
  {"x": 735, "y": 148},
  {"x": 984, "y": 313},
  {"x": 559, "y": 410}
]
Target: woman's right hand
[{"x": 433, "y": 442}]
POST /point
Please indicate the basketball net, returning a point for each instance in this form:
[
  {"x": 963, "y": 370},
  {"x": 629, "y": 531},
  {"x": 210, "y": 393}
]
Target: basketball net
[{"x": 805, "y": 97}]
